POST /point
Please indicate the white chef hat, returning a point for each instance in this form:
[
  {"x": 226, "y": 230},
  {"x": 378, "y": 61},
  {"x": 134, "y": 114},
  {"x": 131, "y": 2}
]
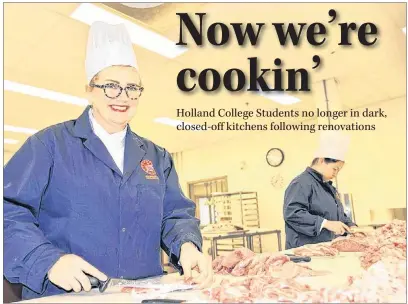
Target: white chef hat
[
  {"x": 108, "y": 45},
  {"x": 333, "y": 144}
]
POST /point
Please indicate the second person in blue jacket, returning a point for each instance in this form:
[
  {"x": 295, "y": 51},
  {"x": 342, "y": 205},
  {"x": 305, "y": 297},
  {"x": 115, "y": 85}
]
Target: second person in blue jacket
[{"x": 312, "y": 208}]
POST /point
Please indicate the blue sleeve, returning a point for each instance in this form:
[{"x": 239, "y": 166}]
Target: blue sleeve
[
  {"x": 179, "y": 223},
  {"x": 28, "y": 255},
  {"x": 296, "y": 211}
]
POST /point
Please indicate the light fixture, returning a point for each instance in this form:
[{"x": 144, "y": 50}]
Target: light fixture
[
  {"x": 404, "y": 30},
  {"x": 19, "y": 129},
  {"x": 276, "y": 96},
  {"x": 142, "y": 5},
  {"x": 281, "y": 98},
  {"x": 10, "y": 141},
  {"x": 89, "y": 13},
  {"x": 43, "y": 93}
]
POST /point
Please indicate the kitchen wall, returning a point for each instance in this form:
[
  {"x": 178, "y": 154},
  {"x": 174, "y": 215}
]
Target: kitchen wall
[
  {"x": 6, "y": 157},
  {"x": 375, "y": 171}
]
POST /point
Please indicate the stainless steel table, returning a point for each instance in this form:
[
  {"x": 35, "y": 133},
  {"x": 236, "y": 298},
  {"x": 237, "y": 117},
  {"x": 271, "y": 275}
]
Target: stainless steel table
[
  {"x": 249, "y": 235},
  {"x": 223, "y": 236}
]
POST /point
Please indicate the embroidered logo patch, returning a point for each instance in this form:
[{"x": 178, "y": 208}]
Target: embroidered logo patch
[{"x": 147, "y": 167}]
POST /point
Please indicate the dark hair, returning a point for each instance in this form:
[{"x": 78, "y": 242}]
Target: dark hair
[{"x": 326, "y": 160}]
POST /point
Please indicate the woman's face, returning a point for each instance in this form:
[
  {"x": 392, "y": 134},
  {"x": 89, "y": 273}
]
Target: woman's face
[
  {"x": 115, "y": 111},
  {"x": 330, "y": 170}
]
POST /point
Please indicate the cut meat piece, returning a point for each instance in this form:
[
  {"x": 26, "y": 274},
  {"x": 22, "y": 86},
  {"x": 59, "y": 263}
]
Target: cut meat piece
[
  {"x": 257, "y": 265},
  {"x": 276, "y": 260},
  {"x": 272, "y": 264},
  {"x": 376, "y": 253},
  {"x": 217, "y": 266},
  {"x": 316, "y": 250},
  {"x": 217, "y": 263},
  {"x": 396, "y": 228},
  {"x": 241, "y": 268},
  {"x": 233, "y": 258},
  {"x": 138, "y": 290},
  {"x": 349, "y": 245},
  {"x": 371, "y": 255}
]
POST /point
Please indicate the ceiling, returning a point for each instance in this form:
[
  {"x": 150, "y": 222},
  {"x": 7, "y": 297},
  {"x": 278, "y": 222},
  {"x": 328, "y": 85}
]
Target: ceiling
[{"x": 45, "y": 48}]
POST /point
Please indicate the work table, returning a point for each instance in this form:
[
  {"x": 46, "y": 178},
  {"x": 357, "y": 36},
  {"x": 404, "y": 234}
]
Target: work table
[{"x": 340, "y": 267}]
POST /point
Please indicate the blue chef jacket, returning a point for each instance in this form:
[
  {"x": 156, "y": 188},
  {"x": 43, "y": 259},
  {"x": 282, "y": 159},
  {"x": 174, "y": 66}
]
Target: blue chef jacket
[
  {"x": 63, "y": 193},
  {"x": 308, "y": 201}
]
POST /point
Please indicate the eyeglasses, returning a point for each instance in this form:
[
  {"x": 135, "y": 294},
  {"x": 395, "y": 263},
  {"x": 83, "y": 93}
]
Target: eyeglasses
[{"x": 113, "y": 90}]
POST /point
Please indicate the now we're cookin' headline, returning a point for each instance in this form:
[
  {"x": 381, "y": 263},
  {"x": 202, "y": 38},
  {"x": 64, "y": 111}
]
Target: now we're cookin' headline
[{"x": 194, "y": 29}]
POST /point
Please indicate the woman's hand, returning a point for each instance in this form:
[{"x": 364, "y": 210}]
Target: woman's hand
[
  {"x": 337, "y": 227},
  {"x": 191, "y": 258},
  {"x": 69, "y": 273}
]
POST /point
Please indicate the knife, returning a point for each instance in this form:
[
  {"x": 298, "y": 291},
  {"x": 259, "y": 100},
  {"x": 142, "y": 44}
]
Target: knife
[
  {"x": 110, "y": 282},
  {"x": 96, "y": 283},
  {"x": 299, "y": 259},
  {"x": 103, "y": 285}
]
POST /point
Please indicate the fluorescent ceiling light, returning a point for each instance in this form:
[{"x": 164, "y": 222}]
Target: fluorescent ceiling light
[
  {"x": 89, "y": 13},
  {"x": 19, "y": 129},
  {"x": 169, "y": 121},
  {"x": 10, "y": 141},
  {"x": 276, "y": 96},
  {"x": 43, "y": 93},
  {"x": 279, "y": 97}
]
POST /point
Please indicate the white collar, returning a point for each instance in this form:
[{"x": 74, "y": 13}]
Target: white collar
[{"x": 102, "y": 133}]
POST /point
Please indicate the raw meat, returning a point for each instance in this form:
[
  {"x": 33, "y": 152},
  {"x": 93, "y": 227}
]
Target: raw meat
[
  {"x": 383, "y": 282},
  {"x": 272, "y": 277},
  {"x": 217, "y": 266},
  {"x": 233, "y": 258},
  {"x": 376, "y": 253},
  {"x": 241, "y": 268},
  {"x": 138, "y": 290},
  {"x": 349, "y": 244},
  {"x": 316, "y": 250},
  {"x": 274, "y": 265},
  {"x": 389, "y": 240},
  {"x": 256, "y": 288},
  {"x": 217, "y": 263},
  {"x": 396, "y": 228}
]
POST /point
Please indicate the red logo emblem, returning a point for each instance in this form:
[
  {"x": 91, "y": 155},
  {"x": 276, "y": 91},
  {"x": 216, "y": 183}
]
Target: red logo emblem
[{"x": 147, "y": 167}]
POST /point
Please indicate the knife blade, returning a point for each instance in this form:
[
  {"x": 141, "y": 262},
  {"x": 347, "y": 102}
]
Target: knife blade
[
  {"x": 111, "y": 282},
  {"x": 144, "y": 282}
]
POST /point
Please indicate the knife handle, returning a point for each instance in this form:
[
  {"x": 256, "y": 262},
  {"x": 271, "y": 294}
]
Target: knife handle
[
  {"x": 94, "y": 281},
  {"x": 298, "y": 259}
]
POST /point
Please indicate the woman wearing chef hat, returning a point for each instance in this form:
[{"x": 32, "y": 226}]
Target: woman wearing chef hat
[
  {"x": 89, "y": 196},
  {"x": 312, "y": 210}
]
